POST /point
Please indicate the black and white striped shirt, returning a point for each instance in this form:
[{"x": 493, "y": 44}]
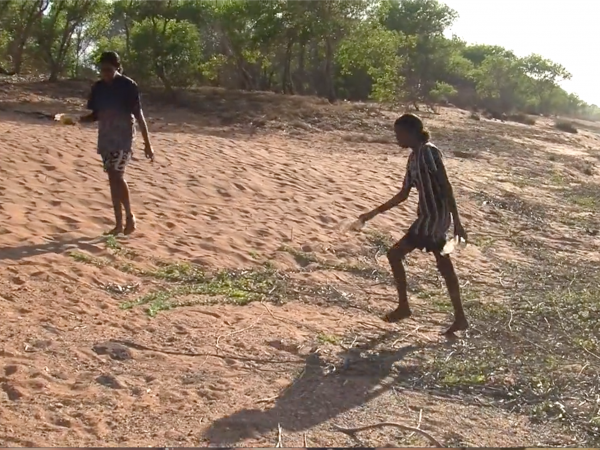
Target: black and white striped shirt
[{"x": 425, "y": 171}]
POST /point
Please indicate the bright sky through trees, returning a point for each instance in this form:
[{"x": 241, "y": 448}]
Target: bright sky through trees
[{"x": 565, "y": 32}]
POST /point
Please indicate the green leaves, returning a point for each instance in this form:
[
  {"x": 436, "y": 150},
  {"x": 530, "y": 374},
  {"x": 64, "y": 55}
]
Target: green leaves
[
  {"x": 393, "y": 51},
  {"x": 374, "y": 49},
  {"x": 168, "y": 49}
]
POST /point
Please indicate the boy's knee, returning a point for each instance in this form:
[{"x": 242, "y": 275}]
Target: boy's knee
[
  {"x": 115, "y": 175},
  {"x": 395, "y": 254},
  {"x": 445, "y": 266}
]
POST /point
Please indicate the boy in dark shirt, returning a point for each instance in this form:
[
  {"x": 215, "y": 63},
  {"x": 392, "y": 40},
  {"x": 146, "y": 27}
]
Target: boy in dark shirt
[
  {"x": 115, "y": 105},
  {"x": 436, "y": 211}
]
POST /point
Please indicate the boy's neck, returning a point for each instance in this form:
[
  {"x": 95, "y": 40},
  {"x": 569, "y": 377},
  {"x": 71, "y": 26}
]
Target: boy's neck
[{"x": 417, "y": 147}]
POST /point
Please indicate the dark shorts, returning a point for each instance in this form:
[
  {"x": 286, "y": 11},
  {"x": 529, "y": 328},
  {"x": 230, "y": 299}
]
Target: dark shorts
[
  {"x": 116, "y": 160},
  {"x": 420, "y": 241}
]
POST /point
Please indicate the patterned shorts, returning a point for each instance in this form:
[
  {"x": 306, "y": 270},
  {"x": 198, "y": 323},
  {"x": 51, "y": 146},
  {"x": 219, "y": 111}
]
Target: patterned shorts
[
  {"x": 116, "y": 134},
  {"x": 116, "y": 160}
]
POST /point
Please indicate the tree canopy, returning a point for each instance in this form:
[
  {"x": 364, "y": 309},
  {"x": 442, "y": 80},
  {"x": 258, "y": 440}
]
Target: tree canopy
[{"x": 384, "y": 50}]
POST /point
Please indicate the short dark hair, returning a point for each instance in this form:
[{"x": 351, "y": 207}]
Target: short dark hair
[
  {"x": 413, "y": 124},
  {"x": 111, "y": 58}
]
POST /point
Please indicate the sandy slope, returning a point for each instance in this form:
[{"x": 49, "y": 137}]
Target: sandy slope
[{"x": 227, "y": 199}]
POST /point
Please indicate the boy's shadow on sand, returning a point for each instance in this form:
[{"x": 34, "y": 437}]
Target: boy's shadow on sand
[
  {"x": 315, "y": 397},
  {"x": 54, "y": 245}
]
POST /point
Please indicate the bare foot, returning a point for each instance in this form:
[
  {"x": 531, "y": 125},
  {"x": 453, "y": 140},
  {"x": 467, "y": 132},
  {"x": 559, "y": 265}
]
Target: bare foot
[
  {"x": 458, "y": 325},
  {"x": 130, "y": 225},
  {"x": 116, "y": 230},
  {"x": 397, "y": 315}
]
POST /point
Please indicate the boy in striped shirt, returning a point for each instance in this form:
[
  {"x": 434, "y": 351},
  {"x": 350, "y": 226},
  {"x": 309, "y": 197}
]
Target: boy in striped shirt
[{"x": 436, "y": 211}]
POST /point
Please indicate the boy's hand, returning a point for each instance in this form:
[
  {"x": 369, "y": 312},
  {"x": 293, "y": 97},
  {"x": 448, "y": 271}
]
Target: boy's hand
[
  {"x": 148, "y": 151},
  {"x": 363, "y": 218},
  {"x": 460, "y": 232}
]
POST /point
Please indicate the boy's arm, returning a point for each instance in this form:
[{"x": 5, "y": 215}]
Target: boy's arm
[
  {"x": 437, "y": 168},
  {"x": 436, "y": 164},
  {"x": 138, "y": 113},
  {"x": 92, "y": 105},
  {"x": 394, "y": 201}
]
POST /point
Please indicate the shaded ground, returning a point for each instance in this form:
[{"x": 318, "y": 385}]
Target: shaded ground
[{"x": 240, "y": 312}]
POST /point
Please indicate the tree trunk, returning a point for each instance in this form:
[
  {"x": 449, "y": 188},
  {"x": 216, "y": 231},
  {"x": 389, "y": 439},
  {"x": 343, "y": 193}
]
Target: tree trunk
[
  {"x": 54, "y": 72},
  {"x": 301, "y": 74},
  {"x": 286, "y": 81},
  {"x": 316, "y": 75},
  {"x": 23, "y": 35},
  {"x": 17, "y": 59},
  {"x": 330, "y": 86},
  {"x": 127, "y": 40},
  {"x": 160, "y": 73}
]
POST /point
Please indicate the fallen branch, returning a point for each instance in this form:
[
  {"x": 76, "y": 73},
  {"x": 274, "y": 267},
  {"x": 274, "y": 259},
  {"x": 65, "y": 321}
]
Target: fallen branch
[
  {"x": 418, "y": 424},
  {"x": 352, "y": 431},
  {"x": 279, "y": 436},
  {"x": 237, "y": 332}
]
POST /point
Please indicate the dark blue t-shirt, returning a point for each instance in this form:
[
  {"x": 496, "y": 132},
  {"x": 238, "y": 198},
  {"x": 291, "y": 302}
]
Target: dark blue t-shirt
[
  {"x": 119, "y": 96},
  {"x": 114, "y": 105}
]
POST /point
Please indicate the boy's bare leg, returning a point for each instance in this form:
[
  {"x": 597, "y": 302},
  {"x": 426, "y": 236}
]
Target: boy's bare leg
[
  {"x": 446, "y": 269},
  {"x": 115, "y": 194},
  {"x": 130, "y": 223},
  {"x": 395, "y": 256}
]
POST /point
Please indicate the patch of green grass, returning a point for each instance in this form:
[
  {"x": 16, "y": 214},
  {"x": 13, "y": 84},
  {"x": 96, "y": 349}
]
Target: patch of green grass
[
  {"x": 538, "y": 355},
  {"x": 177, "y": 272},
  {"x": 302, "y": 258},
  {"x": 579, "y": 221},
  {"x": 364, "y": 270},
  {"x": 587, "y": 202},
  {"x": 89, "y": 259},
  {"x": 520, "y": 181},
  {"x": 112, "y": 243},
  {"x": 379, "y": 242},
  {"x": 584, "y": 195},
  {"x": 324, "y": 338},
  {"x": 184, "y": 279},
  {"x": 120, "y": 290},
  {"x": 557, "y": 178},
  {"x": 237, "y": 287},
  {"x": 482, "y": 242},
  {"x": 441, "y": 303}
]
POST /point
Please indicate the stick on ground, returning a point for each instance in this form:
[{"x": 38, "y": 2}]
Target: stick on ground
[
  {"x": 279, "y": 437},
  {"x": 352, "y": 431}
]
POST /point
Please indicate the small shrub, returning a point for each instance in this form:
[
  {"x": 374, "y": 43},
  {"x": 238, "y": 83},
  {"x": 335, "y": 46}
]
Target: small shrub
[
  {"x": 474, "y": 116},
  {"x": 565, "y": 126},
  {"x": 525, "y": 119},
  {"x": 493, "y": 114}
]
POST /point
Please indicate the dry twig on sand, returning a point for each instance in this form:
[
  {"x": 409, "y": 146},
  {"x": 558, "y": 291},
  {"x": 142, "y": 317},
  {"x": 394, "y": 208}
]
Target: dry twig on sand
[
  {"x": 279, "y": 436},
  {"x": 418, "y": 424},
  {"x": 275, "y": 397},
  {"x": 237, "y": 332},
  {"x": 352, "y": 431}
]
